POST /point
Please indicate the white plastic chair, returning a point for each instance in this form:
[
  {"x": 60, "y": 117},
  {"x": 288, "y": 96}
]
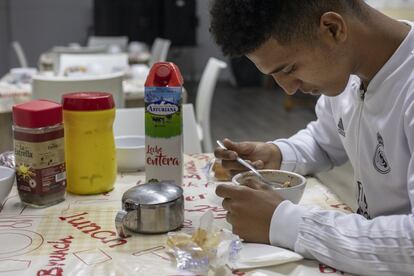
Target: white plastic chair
[
  {"x": 21, "y": 57},
  {"x": 131, "y": 122},
  {"x": 204, "y": 98},
  {"x": 109, "y": 41},
  {"x": 104, "y": 63},
  {"x": 59, "y": 50},
  {"x": 53, "y": 87},
  {"x": 159, "y": 50}
]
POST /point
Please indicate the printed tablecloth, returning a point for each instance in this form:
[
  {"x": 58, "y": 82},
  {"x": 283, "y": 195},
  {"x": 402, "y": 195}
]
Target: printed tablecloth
[{"x": 78, "y": 237}]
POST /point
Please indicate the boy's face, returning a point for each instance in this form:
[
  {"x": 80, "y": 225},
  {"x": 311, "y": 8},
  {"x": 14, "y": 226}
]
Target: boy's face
[{"x": 312, "y": 69}]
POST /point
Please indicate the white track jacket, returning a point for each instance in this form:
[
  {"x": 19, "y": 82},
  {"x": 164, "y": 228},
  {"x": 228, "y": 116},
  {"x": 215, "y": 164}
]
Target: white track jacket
[{"x": 375, "y": 131}]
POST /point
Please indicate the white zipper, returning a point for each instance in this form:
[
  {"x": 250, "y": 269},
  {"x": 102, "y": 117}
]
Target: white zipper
[{"x": 360, "y": 109}]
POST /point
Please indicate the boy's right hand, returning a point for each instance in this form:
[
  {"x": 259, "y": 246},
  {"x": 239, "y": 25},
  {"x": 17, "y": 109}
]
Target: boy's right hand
[{"x": 261, "y": 155}]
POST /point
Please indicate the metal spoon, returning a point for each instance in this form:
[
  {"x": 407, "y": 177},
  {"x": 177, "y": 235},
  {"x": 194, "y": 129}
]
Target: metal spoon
[{"x": 251, "y": 168}]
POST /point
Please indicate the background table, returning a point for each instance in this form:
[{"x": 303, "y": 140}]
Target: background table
[
  {"x": 14, "y": 93},
  {"x": 77, "y": 236}
]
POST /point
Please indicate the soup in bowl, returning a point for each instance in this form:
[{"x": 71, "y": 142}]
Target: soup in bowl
[{"x": 291, "y": 185}]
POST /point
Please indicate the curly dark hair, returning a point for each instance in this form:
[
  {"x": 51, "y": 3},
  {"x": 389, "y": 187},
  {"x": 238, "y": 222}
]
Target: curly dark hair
[{"x": 241, "y": 26}]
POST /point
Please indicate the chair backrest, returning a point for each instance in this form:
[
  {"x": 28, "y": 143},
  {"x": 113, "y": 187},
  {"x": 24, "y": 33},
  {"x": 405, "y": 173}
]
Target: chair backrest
[
  {"x": 204, "y": 98},
  {"x": 159, "y": 50},
  {"x": 108, "y": 41},
  {"x": 93, "y": 63},
  {"x": 59, "y": 50},
  {"x": 131, "y": 121},
  {"x": 21, "y": 57},
  {"x": 53, "y": 87}
]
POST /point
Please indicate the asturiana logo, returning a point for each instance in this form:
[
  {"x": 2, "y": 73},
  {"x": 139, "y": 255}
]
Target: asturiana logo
[{"x": 163, "y": 108}]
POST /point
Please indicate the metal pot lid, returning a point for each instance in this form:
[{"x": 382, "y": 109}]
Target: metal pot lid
[{"x": 153, "y": 193}]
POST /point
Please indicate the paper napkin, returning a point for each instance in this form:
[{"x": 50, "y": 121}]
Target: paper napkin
[{"x": 255, "y": 255}]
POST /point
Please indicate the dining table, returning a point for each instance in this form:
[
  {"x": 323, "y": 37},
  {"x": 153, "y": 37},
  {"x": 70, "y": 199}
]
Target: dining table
[{"x": 78, "y": 235}]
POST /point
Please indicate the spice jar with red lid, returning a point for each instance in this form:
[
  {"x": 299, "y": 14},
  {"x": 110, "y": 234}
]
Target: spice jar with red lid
[{"x": 39, "y": 152}]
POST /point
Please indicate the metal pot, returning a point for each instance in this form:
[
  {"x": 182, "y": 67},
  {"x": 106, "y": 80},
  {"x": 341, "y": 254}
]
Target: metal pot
[{"x": 151, "y": 208}]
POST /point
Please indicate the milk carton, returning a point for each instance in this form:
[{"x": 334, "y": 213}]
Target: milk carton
[{"x": 164, "y": 123}]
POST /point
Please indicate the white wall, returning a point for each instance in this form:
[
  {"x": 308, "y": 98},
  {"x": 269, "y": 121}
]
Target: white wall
[
  {"x": 192, "y": 60},
  {"x": 207, "y": 47},
  {"x": 41, "y": 24},
  {"x": 4, "y": 38},
  {"x": 391, "y": 3}
]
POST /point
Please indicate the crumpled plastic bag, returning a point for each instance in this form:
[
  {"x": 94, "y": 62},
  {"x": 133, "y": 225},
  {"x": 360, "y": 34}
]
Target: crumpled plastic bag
[
  {"x": 207, "y": 248},
  {"x": 7, "y": 159}
]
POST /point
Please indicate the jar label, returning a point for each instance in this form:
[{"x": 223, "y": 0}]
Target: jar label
[{"x": 40, "y": 166}]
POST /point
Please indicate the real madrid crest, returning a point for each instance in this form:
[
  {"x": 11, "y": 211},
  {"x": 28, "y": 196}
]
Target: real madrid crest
[{"x": 380, "y": 161}]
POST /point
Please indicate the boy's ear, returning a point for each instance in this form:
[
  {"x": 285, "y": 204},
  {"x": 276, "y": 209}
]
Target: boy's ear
[{"x": 333, "y": 28}]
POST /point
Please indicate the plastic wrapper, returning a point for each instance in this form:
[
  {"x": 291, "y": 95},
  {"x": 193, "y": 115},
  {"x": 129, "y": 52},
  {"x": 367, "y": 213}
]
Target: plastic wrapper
[
  {"x": 215, "y": 172},
  {"x": 207, "y": 248},
  {"x": 7, "y": 159}
]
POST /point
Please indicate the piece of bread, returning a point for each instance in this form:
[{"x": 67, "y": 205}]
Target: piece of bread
[{"x": 219, "y": 172}]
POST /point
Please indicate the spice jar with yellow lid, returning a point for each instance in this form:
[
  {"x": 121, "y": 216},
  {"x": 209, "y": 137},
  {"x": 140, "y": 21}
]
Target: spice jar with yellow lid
[{"x": 89, "y": 142}]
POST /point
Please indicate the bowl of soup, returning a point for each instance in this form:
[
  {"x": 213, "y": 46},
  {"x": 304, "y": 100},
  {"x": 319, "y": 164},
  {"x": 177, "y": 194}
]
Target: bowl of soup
[{"x": 288, "y": 185}]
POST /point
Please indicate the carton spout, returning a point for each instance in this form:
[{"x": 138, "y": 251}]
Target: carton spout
[{"x": 164, "y": 74}]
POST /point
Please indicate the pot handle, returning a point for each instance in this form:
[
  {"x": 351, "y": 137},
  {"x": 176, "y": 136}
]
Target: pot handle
[
  {"x": 119, "y": 223},
  {"x": 121, "y": 217}
]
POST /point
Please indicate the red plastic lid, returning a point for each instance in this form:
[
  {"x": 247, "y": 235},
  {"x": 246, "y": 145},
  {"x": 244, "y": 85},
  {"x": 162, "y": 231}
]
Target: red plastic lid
[
  {"x": 82, "y": 101},
  {"x": 164, "y": 74},
  {"x": 37, "y": 113}
]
